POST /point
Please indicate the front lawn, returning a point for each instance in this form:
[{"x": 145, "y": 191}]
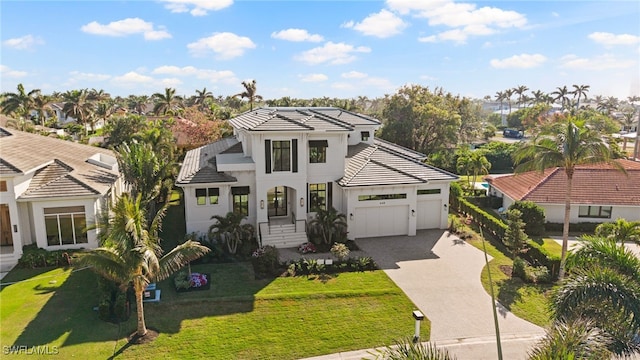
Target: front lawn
[{"x": 238, "y": 317}]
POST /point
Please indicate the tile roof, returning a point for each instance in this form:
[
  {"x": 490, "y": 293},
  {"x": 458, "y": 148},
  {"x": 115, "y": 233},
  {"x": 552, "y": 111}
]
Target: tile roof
[
  {"x": 399, "y": 149},
  {"x": 300, "y": 119},
  {"x": 592, "y": 184},
  {"x": 199, "y": 165},
  {"x": 61, "y": 168},
  {"x": 375, "y": 165}
]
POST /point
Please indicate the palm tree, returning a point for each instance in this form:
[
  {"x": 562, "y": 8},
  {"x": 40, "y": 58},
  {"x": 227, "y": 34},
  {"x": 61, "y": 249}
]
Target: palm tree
[
  {"x": 407, "y": 349},
  {"x": 507, "y": 96},
  {"x": 603, "y": 287},
  {"x": 104, "y": 111},
  {"x": 130, "y": 252},
  {"x": 42, "y": 105},
  {"x": 229, "y": 230},
  {"x": 167, "y": 102},
  {"x": 621, "y": 229},
  {"x": 561, "y": 94},
  {"x": 520, "y": 90},
  {"x": 577, "y": 339},
  {"x": 538, "y": 96},
  {"x": 328, "y": 224},
  {"x": 78, "y": 106},
  {"x": 20, "y": 103},
  {"x": 566, "y": 145},
  {"x": 201, "y": 97},
  {"x": 579, "y": 91},
  {"x": 249, "y": 93}
]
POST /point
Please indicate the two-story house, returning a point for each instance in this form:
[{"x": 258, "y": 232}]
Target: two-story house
[
  {"x": 286, "y": 163},
  {"x": 51, "y": 191}
]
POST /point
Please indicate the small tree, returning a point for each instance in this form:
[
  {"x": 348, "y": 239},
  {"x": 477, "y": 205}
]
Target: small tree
[
  {"x": 329, "y": 225},
  {"x": 514, "y": 237},
  {"x": 621, "y": 230},
  {"x": 230, "y": 230},
  {"x": 534, "y": 215}
]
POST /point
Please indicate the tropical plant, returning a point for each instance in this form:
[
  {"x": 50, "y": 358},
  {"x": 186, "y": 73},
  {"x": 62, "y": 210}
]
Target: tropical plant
[
  {"x": 620, "y": 230},
  {"x": 507, "y": 96},
  {"x": 573, "y": 340},
  {"x": 20, "y": 103},
  {"x": 42, "y": 106},
  {"x": 329, "y": 225},
  {"x": 131, "y": 255},
  {"x": 407, "y": 349},
  {"x": 249, "y": 93},
  {"x": 166, "y": 103},
  {"x": 78, "y": 106},
  {"x": 580, "y": 91},
  {"x": 201, "y": 97},
  {"x": 229, "y": 230},
  {"x": 565, "y": 145},
  {"x": 520, "y": 90}
]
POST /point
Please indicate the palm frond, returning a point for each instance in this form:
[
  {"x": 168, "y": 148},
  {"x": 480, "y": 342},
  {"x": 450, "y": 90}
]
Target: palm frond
[{"x": 180, "y": 256}]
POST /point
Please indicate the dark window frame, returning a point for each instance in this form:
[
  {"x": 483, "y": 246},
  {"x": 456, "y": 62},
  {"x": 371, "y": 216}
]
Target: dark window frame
[
  {"x": 380, "y": 197},
  {"x": 281, "y": 150},
  {"x": 77, "y": 225},
  {"x": 318, "y": 151},
  {"x": 318, "y": 196},
  {"x": 595, "y": 212},
  {"x": 365, "y": 135},
  {"x": 429, "y": 191}
]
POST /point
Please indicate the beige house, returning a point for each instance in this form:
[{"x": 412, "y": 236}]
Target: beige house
[{"x": 50, "y": 190}]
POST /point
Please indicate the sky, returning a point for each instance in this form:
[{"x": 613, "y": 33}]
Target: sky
[{"x": 306, "y": 49}]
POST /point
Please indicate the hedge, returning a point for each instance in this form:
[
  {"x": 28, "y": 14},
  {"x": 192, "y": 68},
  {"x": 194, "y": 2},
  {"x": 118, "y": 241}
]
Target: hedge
[
  {"x": 537, "y": 255},
  {"x": 583, "y": 227},
  {"x": 488, "y": 222}
]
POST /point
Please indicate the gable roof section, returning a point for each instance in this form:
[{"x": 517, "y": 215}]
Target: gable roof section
[
  {"x": 592, "y": 184},
  {"x": 60, "y": 167},
  {"x": 300, "y": 119},
  {"x": 199, "y": 165},
  {"x": 373, "y": 165},
  {"x": 400, "y": 149}
]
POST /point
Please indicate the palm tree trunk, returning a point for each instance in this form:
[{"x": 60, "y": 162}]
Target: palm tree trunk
[
  {"x": 565, "y": 228},
  {"x": 142, "y": 327}
]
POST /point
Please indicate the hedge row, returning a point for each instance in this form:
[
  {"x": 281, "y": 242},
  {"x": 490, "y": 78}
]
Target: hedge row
[
  {"x": 488, "y": 222},
  {"x": 583, "y": 227},
  {"x": 538, "y": 255}
]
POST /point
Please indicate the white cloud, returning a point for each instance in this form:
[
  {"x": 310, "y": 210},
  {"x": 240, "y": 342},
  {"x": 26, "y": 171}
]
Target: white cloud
[
  {"x": 555, "y": 14},
  {"x": 205, "y": 74},
  {"x": 354, "y": 75},
  {"x": 383, "y": 24},
  {"x": 170, "y": 82},
  {"x": 129, "y": 26},
  {"x": 313, "y": 77},
  {"x": 7, "y": 72},
  {"x": 465, "y": 19},
  {"x": 296, "y": 35},
  {"x": 609, "y": 39},
  {"x": 27, "y": 42},
  {"x": 332, "y": 53},
  {"x": 132, "y": 78},
  {"x": 601, "y": 62},
  {"x": 196, "y": 7},
  {"x": 522, "y": 61},
  {"x": 226, "y": 45},
  {"x": 77, "y": 75}
]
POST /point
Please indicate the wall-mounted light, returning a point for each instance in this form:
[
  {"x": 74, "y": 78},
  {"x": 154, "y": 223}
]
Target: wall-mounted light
[
  {"x": 413, "y": 213},
  {"x": 445, "y": 207},
  {"x": 351, "y": 216},
  {"x": 261, "y": 204},
  {"x": 301, "y": 202},
  {"x": 15, "y": 228}
]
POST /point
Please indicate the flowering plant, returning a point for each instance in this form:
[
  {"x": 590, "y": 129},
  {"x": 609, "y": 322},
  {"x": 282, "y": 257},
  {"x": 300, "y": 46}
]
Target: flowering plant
[
  {"x": 307, "y": 248},
  {"x": 340, "y": 250},
  {"x": 198, "y": 280}
]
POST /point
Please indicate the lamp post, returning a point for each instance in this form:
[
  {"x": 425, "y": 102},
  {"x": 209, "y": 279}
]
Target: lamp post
[{"x": 418, "y": 315}]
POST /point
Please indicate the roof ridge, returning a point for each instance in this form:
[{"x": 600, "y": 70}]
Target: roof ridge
[
  {"x": 397, "y": 170},
  {"x": 333, "y": 120},
  {"x": 294, "y": 122},
  {"x": 367, "y": 159},
  {"x": 544, "y": 180}
]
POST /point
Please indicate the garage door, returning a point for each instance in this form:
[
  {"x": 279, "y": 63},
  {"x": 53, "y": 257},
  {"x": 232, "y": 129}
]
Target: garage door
[
  {"x": 429, "y": 214},
  {"x": 382, "y": 221}
]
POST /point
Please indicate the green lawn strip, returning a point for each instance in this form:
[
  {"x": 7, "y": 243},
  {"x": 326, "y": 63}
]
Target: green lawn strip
[
  {"x": 526, "y": 301},
  {"x": 239, "y": 317}
]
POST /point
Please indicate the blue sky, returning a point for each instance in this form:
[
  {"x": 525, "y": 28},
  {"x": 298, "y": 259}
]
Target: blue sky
[{"x": 307, "y": 49}]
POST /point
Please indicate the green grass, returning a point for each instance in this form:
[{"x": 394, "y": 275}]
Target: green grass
[
  {"x": 239, "y": 317},
  {"x": 527, "y": 301}
]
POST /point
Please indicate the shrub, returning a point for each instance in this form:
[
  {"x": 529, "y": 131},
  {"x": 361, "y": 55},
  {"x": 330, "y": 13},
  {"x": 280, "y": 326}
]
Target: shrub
[
  {"x": 488, "y": 222},
  {"x": 181, "y": 280},
  {"x": 515, "y": 238},
  {"x": 518, "y": 268},
  {"x": 339, "y": 250},
  {"x": 307, "y": 248},
  {"x": 538, "y": 255},
  {"x": 533, "y": 216},
  {"x": 265, "y": 261},
  {"x": 455, "y": 224},
  {"x": 530, "y": 274},
  {"x": 34, "y": 257}
]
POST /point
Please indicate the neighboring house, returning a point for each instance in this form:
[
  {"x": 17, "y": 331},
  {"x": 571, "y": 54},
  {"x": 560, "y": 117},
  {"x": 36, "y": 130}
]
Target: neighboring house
[
  {"x": 286, "y": 163},
  {"x": 50, "y": 190},
  {"x": 600, "y": 193}
]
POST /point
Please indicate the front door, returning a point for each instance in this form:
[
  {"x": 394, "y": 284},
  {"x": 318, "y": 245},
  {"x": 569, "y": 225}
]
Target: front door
[
  {"x": 6, "y": 238},
  {"x": 277, "y": 199}
]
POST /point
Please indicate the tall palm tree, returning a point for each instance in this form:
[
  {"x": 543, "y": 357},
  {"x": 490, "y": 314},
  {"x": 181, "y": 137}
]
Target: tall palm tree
[
  {"x": 479, "y": 165},
  {"x": 561, "y": 94},
  {"x": 538, "y": 96},
  {"x": 42, "y": 105},
  {"x": 603, "y": 287},
  {"x": 78, "y": 106},
  {"x": 130, "y": 252},
  {"x": 565, "y": 145},
  {"x": 507, "y": 96},
  {"x": 580, "y": 91},
  {"x": 167, "y": 102},
  {"x": 20, "y": 103},
  {"x": 201, "y": 98},
  {"x": 249, "y": 93},
  {"x": 520, "y": 90}
]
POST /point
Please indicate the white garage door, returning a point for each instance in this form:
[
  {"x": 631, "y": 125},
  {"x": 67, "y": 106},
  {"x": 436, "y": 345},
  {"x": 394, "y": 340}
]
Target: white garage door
[
  {"x": 429, "y": 214},
  {"x": 382, "y": 221}
]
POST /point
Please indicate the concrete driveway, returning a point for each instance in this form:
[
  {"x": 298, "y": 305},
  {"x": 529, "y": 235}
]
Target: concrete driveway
[{"x": 441, "y": 275}]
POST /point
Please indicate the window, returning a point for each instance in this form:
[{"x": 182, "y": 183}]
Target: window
[
  {"x": 203, "y": 194},
  {"x": 317, "y": 197},
  {"x": 603, "y": 212},
  {"x": 240, "y": 200},
  {"x": 65, "y": 225},
  {"x": 318, "y": 151},
  {"x": 364, "y": 135},
  {"x": 428, "y": 191},
  {"x": 382, "y": 197},
  {"x": 281, "y": 155},
  {"x": 3, "y": 186}
]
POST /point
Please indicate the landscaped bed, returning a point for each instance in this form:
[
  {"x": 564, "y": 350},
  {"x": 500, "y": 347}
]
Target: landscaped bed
[{"x": 237, "y": 317}]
